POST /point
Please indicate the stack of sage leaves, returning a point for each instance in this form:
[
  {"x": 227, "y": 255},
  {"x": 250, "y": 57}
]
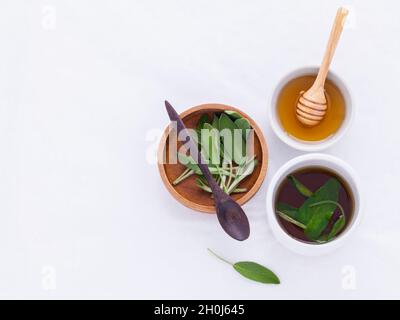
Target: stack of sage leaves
[
  {"x": 316, "y": 215},
  {"x": 224, "y": 141}
]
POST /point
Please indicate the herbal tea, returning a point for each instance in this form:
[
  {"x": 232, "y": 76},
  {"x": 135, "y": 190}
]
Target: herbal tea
[
  {"x": 286, "y": 107},
  {"x": 314, "y": 205}
]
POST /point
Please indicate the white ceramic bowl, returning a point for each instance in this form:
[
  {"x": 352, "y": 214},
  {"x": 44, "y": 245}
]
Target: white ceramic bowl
[
  {"x": 310, "y": 146},
  {"x": 343, "y": 170}
]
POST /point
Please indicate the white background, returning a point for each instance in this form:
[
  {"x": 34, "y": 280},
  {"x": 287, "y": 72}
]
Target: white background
[{"x": 83, "y": 213}]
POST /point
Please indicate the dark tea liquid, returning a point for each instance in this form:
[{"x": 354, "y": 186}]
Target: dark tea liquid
[{"x": 313, "y": 178}]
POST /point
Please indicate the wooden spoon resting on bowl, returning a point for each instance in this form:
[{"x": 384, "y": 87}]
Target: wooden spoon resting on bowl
[
  {"x": 230, "y": 215},
  {"x": 312, "y": 104}
]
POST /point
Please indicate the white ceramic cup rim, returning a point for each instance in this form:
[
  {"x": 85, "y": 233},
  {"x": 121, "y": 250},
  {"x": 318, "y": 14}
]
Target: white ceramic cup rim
[
  {"x": 320, "y": 160},
  {"x": 309, "y": 146}
]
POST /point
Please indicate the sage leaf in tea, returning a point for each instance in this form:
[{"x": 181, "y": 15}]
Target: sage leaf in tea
[
  {"x": 317, "y": 217},
  {"x": 329, "y": 191},
  {"x": 337, "y": 227},
  {"x": 300, "y": 187},
  {"x": 288, "y": 210},
  {"x": 252, "y": 271}
]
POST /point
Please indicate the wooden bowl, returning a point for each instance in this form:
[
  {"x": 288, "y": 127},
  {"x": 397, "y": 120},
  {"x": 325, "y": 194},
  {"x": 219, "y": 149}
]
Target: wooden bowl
[{"x": 187, "y": 192}]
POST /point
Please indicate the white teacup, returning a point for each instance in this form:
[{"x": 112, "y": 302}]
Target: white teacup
[{"x": 339, "y": 167}]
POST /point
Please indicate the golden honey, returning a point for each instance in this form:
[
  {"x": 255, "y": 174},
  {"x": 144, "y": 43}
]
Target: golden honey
[{"x": 286, "y": 107}]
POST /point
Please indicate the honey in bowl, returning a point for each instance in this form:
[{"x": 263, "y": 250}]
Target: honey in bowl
[{"x": 286, "y": 110}]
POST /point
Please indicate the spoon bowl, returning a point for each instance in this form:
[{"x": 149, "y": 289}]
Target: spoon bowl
[{"x": 233, "y": 219}]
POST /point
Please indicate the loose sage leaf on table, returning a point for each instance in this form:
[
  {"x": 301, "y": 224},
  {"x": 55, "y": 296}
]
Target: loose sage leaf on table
[
  {"x": 300, "y": 187},
  {"x": 317, "y": 218},
  {"x": 256, "y": 272},
  {"x": 252, "y": 271}
]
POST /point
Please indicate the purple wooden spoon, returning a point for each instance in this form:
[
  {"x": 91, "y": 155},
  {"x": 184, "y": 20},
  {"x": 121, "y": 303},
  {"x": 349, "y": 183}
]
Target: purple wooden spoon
[{"x": 230, "y": 215}]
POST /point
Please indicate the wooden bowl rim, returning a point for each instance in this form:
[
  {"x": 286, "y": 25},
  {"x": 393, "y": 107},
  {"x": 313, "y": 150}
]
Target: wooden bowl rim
[{"x": 249, "y": 194}]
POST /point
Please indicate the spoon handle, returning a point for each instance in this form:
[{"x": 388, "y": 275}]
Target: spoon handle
[
  {"x": 334, "y": 37},
  {"x": 217, "y": 191}
]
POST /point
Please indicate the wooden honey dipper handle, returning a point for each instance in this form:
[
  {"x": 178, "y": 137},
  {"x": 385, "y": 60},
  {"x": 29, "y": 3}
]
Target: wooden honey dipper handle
[{"x": 331, "y": 47}]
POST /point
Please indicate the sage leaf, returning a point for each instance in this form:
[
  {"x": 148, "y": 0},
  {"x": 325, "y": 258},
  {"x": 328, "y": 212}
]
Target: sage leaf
[
  {"x": 203, "y": 186},
  {"x": 287, "y": 210},
  {"x": 252, "y": 271},
  {"x": 300, "y": 187},
  {"x": 290, "y": 219},
  {"x": 318, "y": 224},
  {"x": 210, "y": 142},
  {"x": 256, "y": 272},
  {"x": 239, "y": 190},
  {"x": 186, "y": 174},
  {"x": 337, "y": 227},
  {"x": 233, "y": 114},
  {"x": 329, "y": 191},
  {"x": 244, "y": 170},
  {"x": 234, "y": 146},
  {"x": 203, "y": 120},
  {"x": 188, "y": 162},
  {"x": 192, "y": 165},
  {"x": 317, "y": 218},
  {"x": 215, "y": 122},
  {"x": 244, "y": 125}
]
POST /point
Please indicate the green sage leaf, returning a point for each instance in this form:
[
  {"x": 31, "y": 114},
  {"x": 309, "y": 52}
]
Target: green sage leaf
[
  {"x": 256, "y": 272},
  {"x": 291, "y": 220},
  {"x": 233, "y": 114},
  {"x": 252, "y": 271},
  {"x": 288, "y": 210},
  {"x": 192, "y": 165},
  {"x": 244, "y": 125},
  {"x": 337, "y": 227},
  {"x": 203, "y": 120},
  {"x": 244, "y": 170},
  {"x": 317, "y": 218},
  {"x": 234, "y": 145},
  {"x": 215, "y": 122},
  {"x": 329, "y": 191},
  {"x": 210, "y": 143},
  {"x": 300, "y": 187}
]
